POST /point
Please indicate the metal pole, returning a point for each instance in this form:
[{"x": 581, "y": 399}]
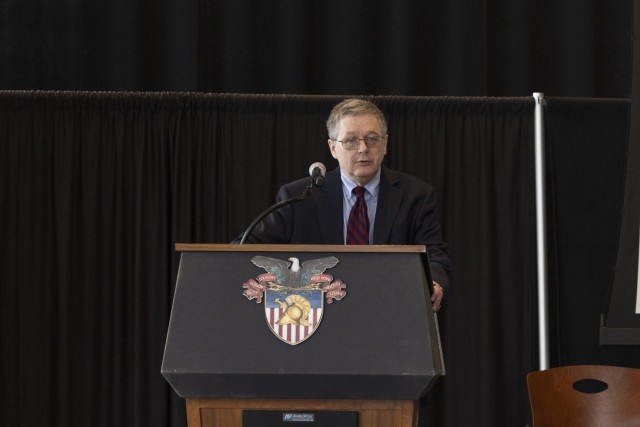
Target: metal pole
[{"x": 541, "y": 229}]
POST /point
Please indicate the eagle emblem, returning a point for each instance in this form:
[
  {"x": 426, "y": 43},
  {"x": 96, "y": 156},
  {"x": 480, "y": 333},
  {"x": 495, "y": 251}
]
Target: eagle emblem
[{"x": 294, "y": 294}]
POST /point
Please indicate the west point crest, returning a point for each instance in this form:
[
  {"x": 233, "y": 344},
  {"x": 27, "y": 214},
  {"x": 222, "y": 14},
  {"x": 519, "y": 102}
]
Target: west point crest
[{"x": 294, "y": 294}]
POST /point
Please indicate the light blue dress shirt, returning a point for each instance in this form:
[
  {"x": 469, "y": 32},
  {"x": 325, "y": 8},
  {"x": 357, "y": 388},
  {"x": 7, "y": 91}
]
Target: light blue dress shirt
[{"x": 349, "y": 199}]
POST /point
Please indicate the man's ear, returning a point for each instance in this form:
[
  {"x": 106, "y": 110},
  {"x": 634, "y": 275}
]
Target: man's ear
[{"x": 332, "y": 148}]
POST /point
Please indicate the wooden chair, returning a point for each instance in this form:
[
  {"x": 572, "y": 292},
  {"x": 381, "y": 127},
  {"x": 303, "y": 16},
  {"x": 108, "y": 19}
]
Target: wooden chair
[{"x": 585, "y": 396}]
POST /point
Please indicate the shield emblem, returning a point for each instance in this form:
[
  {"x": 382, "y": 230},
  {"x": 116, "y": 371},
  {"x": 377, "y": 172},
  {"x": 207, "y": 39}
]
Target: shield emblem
[
  {"x": 293, "y": 317},
  {"x": 294, "y": 294}
]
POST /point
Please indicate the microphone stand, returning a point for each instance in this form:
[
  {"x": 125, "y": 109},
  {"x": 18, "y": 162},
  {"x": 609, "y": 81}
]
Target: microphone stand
[{"x": 305, "y": 194}]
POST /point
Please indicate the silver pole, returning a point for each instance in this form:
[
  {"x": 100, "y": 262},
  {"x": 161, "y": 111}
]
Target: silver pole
[{"x": 541, "y": 229}]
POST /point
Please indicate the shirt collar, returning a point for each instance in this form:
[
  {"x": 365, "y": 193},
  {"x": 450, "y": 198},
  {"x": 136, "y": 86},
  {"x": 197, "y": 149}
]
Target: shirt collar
[{"x": 372, "y": 186}]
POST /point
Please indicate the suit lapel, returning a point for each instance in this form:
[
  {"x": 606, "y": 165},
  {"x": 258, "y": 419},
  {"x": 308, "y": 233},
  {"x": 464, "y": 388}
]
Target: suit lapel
[
  {"x": 389, "y": 198},
  {"x": 329, "y": 205}
]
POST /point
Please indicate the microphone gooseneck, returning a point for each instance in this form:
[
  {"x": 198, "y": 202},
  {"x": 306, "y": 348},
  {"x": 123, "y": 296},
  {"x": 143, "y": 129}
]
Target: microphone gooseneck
[
  {"x": 306, "y": 193},
  {"x": 317, "y": 172}
]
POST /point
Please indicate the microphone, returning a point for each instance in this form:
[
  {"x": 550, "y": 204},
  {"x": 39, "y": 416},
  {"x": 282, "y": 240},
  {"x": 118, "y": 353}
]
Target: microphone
[{"x": 318, "y": 172}]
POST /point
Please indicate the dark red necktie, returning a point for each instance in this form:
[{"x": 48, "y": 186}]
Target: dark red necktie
[{"x": 358, "y": 225}]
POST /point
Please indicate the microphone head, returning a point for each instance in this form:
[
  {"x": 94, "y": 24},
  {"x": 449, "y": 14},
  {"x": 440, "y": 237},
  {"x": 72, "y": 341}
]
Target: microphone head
[
  {"x": 323, "y": 170},
  {"x": 317, "y": 172}
]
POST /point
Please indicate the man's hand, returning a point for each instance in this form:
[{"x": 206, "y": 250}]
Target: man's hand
[{"x": 436, "y": 296}]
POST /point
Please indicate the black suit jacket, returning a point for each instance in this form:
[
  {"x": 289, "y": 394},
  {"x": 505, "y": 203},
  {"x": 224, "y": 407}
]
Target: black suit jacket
[{"x": 406, "y": 215}]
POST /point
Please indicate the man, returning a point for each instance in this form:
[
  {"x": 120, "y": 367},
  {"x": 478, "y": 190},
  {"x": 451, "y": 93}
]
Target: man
[{"x": 398, "y": 209}]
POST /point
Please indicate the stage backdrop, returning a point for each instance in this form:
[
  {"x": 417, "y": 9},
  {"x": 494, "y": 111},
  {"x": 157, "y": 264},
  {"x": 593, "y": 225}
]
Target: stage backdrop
[
  {"x": 385, "y": 47},
  {"x": 622, "y": 323},
  {"x": 96, "y": 188}
]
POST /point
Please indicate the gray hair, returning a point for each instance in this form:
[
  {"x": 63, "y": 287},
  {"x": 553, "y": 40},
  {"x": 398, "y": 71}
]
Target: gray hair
[{"x": 353, "y": 107}]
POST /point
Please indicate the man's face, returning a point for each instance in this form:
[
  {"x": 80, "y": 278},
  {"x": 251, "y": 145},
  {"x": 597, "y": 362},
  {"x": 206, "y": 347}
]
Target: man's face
[{"x": 362, "y": 163}]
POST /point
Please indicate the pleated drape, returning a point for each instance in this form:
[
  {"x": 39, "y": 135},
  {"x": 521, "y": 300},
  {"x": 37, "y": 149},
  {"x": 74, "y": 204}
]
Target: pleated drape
[{"x": 98, "y": 187}]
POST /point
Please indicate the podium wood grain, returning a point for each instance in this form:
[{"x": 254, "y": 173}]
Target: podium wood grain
[{"x": 227, "y": 412}]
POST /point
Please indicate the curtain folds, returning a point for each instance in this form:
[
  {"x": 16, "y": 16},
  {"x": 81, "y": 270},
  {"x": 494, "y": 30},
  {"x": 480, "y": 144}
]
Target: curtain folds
[{"x": 96, "y": 188}]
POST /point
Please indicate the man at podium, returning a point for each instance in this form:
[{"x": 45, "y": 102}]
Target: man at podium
[{"x": 360, "y": 202}]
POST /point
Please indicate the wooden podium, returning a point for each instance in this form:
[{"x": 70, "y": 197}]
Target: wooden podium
[{"x": 371, "y": 348}]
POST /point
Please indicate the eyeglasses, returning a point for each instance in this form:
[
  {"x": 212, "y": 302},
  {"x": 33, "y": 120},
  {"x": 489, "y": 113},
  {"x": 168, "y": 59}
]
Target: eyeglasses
[{"x": 353, "y": 142}]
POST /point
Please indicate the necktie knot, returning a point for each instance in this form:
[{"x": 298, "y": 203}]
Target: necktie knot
[{"x": 359, "y": 192}]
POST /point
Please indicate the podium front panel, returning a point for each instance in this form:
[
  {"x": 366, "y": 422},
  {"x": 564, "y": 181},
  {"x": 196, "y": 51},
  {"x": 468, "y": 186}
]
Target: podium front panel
[{"x": 379, "y": 342}]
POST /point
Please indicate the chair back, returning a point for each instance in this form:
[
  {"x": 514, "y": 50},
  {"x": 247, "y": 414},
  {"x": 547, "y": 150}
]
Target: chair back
[{"x": 585, "y": 396}]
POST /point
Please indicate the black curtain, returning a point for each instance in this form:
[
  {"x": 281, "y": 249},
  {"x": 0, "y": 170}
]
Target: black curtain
[
  {"x": 622, "y": 321},
  {"x": 588, "y": 144},
  {"x": 86, "y": 258},
  {"x": 96, "y": 188},
  {"x": 393, "y": 47}
]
